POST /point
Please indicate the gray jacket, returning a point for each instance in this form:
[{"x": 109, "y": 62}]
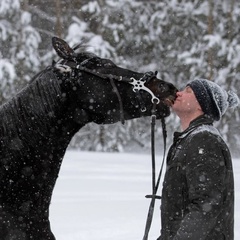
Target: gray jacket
[{"x": 198, "y": 188}]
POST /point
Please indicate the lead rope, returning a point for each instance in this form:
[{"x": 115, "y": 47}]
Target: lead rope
[
  {"x": 164, "y": 133},
  {"x": 155, "y": 186}
]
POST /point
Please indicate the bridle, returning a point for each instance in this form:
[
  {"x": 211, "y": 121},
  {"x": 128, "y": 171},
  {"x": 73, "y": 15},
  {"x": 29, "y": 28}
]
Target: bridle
[
  {"x": 72, "y": 67},
  {"x": 69, "y": 66}
]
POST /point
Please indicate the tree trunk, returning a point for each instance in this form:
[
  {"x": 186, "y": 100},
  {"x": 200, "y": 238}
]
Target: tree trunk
[
  {"x": 210, "y": 32},
  {"x": 58, "y": 27},
  {"x": 230, "y": 20}
]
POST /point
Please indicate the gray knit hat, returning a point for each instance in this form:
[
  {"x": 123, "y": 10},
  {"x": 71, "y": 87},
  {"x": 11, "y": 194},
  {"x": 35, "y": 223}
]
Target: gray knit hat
[{"x": 213, "y": 100}]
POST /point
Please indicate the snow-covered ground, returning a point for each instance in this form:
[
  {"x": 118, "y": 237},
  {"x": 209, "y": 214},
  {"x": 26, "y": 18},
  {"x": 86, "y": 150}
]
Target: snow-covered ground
[{"x": 101, "y": 196}]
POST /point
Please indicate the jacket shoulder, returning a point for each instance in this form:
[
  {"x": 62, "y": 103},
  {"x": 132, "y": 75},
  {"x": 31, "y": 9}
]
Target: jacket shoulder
[
  {"x": 202, "y": 140},
  {"x": 205, "y": 132}
]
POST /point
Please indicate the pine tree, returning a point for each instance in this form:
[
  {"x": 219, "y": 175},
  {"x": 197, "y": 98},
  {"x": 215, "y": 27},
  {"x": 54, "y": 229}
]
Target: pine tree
[
  {"x": 182, "y": 40},
  {"x": 19, "y": 47}
]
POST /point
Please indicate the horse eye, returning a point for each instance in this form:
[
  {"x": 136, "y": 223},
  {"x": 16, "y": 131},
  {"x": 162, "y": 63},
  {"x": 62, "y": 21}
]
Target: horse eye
[{"x": 108, "y": 65}]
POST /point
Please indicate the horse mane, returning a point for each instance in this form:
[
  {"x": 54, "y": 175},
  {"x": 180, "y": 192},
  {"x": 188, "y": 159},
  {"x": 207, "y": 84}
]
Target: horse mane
[{"x": 28, "y": 114}]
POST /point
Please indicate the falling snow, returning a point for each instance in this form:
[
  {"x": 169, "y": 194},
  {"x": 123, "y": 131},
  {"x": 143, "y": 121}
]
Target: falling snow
[{"x": 101, "y": 196}]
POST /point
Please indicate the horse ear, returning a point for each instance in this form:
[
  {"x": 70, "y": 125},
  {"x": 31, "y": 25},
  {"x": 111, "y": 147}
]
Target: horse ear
[{"x": 62, "y": 48}]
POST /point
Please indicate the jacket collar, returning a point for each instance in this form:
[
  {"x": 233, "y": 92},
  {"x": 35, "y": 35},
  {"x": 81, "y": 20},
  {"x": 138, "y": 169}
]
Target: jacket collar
[{"x": 201, "y": 120}]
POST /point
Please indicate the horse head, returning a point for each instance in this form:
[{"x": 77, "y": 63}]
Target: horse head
[{"x": 107, "y": 92}]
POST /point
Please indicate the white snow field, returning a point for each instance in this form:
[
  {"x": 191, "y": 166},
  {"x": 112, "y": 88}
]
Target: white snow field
[{"x": 101, "y": 196}]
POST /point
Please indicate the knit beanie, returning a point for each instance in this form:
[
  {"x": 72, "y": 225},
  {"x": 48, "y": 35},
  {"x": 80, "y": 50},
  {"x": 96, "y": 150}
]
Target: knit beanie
[{"x": 213, "y": 100}]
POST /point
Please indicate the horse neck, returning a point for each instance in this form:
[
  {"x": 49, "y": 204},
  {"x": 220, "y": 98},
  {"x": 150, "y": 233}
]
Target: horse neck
[{"x": 38, "y": 111}]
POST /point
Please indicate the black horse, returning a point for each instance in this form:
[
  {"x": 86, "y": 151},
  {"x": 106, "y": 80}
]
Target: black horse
[{"x": 38, "y": 123}]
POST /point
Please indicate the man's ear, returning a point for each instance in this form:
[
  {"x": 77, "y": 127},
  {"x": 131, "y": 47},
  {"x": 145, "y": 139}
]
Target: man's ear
[{"x": 199, "y": 108}]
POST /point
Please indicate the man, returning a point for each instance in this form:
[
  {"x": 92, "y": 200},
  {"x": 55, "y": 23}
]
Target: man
[{"x": 198, "y": 188}]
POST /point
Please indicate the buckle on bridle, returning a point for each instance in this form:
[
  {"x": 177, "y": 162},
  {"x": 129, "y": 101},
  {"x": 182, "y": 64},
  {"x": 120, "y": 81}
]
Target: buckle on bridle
[{"x": 139, "y": 85}]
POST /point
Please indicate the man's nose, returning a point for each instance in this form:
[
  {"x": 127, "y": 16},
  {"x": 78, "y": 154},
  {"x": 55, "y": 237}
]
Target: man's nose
[{"x": 179, "y": 93}]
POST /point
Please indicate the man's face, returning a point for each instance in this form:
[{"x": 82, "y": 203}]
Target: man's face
[{"x": 186, "y": 102}]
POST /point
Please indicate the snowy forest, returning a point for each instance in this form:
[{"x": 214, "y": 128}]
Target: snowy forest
[{"x": 181, "y": 39}]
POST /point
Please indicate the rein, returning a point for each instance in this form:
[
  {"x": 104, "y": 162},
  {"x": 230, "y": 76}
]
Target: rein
[{"x": 155, "y": 184}]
